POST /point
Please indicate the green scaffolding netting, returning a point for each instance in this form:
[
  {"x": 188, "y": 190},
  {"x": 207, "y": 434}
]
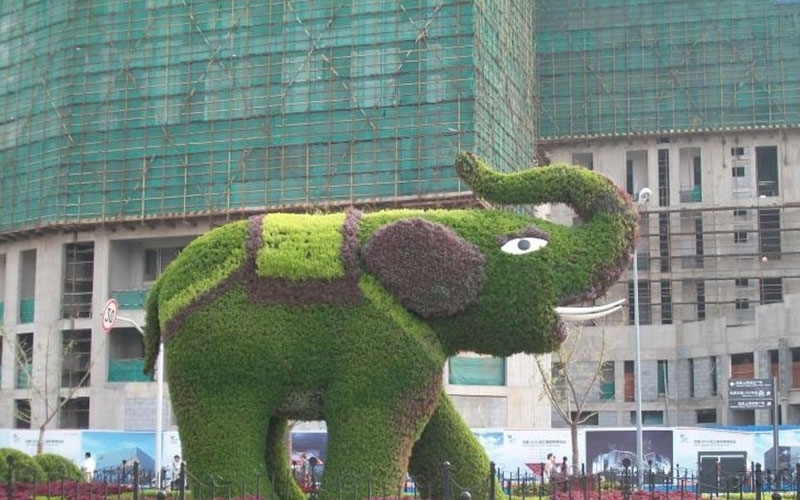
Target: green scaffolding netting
[
  {"x": 115, "y": 109},
  {"x": 648, "y": 66}
]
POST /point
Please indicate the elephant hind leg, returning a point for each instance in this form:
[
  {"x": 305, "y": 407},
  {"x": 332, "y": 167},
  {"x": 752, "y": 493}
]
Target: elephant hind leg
[
  {"x": 447, "y": 438},
  {"x": 276, "y": 458}
]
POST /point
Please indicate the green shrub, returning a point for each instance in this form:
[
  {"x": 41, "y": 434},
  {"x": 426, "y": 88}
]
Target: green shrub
[
  {"x": 58, "y": 467},
  {"x": 26, "y": 469}
]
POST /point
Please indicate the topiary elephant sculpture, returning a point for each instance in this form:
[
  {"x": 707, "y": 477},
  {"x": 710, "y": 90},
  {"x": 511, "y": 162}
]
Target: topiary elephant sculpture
[{"x": 349, "y": 318}]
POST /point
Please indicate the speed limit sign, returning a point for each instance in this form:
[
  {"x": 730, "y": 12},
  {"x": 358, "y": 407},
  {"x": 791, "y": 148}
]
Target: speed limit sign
[{"x": 109, "y": 316}]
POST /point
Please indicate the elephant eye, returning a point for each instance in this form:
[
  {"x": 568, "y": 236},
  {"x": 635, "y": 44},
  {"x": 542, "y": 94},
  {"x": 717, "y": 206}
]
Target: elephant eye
[{"x": 521, "y": 246}]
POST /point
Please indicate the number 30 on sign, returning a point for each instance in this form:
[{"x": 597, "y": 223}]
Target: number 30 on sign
[{"x": 109, "y": 316}]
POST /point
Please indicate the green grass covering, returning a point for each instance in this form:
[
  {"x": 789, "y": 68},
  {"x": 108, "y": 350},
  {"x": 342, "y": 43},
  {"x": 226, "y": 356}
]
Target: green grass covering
[
  {"x": 201, "y": 266},
  {"x": 301, "y": 246}
]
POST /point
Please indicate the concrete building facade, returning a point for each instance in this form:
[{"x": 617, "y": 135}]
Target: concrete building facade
[
  {"x": 700, "y": 102},
  {"x": 718, "y": 275}
]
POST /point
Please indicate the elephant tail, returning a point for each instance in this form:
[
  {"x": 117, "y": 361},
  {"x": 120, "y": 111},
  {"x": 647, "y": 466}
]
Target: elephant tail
[{"x": 152, "y": 329}]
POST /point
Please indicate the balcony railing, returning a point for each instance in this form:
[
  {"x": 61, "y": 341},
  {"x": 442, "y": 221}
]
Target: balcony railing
[
  {"x": 130, "y": 299},
  {"x": 607, "y": 390},
  {"x": 127, "y": 370},
  {"x": 692, "y": 194},
  {"x": 26, "y": 309},
  {"x": 24, "y": 373}
]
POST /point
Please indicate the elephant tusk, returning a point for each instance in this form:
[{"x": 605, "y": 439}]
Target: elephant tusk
[
  {"x": 589, "y": 310},
  {"x": 587, "y": 314}
]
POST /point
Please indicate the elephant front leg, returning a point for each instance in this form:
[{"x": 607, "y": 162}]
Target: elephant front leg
[
  {"x": 223, "y": 434},
  {"x": 447, "y": 438}
]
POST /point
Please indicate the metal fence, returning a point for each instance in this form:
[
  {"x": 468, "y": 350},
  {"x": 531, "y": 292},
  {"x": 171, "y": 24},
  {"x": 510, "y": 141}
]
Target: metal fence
[{"x": 681, "y": 484}]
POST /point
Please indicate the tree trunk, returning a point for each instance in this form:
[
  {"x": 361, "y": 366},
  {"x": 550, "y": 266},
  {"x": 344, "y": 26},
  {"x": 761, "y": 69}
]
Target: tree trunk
[
  {"x": 573, "y": 435},
  {"x": 40, "y": 441}
]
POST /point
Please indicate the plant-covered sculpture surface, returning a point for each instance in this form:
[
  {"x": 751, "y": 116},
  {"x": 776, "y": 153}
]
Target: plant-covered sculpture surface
[{"x": 349, "y": 318}]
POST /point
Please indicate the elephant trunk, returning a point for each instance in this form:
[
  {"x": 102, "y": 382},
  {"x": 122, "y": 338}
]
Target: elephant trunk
[
  {"x": 603, "y": 207},
  {"x": 586, "y": 191}
]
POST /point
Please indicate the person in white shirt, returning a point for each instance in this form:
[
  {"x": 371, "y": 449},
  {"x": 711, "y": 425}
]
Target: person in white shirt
[
  {"x": 88, "y": 467},
  {"x": 175, "y": 472},
  {"x": 548, "y": 468}
]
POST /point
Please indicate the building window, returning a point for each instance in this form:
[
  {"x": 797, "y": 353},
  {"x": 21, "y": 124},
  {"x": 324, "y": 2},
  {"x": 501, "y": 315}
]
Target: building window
[
  {"x": 774, "y": 365},
  {"x": 713, "y": 373},
  {"x": 649, "y": 417},
  {"x": 663, "y": 377},
  {"x": 699, "y": 247},
  {"x": 742, "y": 365},
  {"x": 607, "y": 388},
  {"x": 76, "y": 301},
  {"x": 585, "y": 160},
  {"x": 740, "y": 212},
  {"x": 76, "y": 359},
  {"x": 477, "y": 370},
  {"x": 740, "y": 236},
  {"x": 706, "y": 416},
  {"x": 742, "y": 304},
  {"x": 769, "y": 232},
  {"x": 700, "y": 290},
  {"x": 558, "y": 383},
  {"x": 27, "y": 286},
  {"x": 22, "y": 413},
  {"x": 156, "y": 260},
  {"x": 666, "y": 302},
  {"x": 796, "y": 367},
  {"x": 663, "y": 178},
  {"x": 630, "y": 382},
  {"x": 629, "y": 179},
  {"x": 771, "y": 290},
  {"x": 741, "y": 282},
  {"x": 586, "y": 418},
  {"x": 691, "y": 377},
  {"x": 645, "y": 303},
  {"x": 664, "y": 241},
  {"x": 126, "y": 356},
  {"x": 767, "y": 170},
  {"x": 737, "y": 171},
  {"x": 24, "y": 360},
  {"x": 74, "y": 414}
]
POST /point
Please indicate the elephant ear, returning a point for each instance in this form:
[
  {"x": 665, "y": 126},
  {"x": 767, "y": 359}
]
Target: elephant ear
[{"x": 428, "y": 268}]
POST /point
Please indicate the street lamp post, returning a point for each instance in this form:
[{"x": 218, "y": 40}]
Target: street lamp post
[
  {"x": 109, "y": 317},
  {"x": 644, "y": 198},
  {"x": 159, "y": 397}
]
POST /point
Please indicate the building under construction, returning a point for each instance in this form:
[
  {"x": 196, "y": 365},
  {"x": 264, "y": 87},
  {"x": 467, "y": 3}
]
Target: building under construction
[
  {"x": 129, "y": 127},
  {"x": 700, "y": 102}
]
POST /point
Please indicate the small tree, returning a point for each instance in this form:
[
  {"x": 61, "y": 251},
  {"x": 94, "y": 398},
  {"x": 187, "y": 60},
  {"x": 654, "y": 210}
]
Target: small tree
[
  {"x": 49, "y": 396},
  {"x": 575, "y": 371}
]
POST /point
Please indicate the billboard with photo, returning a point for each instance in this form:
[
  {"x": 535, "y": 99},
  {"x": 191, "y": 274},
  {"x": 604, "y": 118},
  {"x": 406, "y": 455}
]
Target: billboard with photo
[
  {"x": 606, "y": 449},
  {"x": 524, "y": 451}
]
